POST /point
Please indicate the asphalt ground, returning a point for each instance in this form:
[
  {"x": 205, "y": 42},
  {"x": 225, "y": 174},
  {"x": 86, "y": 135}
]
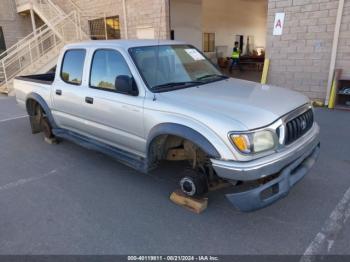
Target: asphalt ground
[{"x": 65, "y": 199}]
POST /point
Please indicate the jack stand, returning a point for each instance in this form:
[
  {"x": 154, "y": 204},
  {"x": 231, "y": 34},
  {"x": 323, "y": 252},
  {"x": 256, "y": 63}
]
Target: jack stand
[
  {"x": 51, "y": 141},
  {"x": 194, "y": 204}
]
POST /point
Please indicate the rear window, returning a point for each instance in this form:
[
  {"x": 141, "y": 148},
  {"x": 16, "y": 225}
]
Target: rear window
[{"x": 73, "y": 66}]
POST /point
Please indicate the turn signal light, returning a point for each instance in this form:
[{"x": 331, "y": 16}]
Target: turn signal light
[{"x": 241, "y": 142}]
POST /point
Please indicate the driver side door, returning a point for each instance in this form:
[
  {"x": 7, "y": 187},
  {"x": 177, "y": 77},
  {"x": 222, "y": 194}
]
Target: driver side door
[{"x": 111, "y": 115}]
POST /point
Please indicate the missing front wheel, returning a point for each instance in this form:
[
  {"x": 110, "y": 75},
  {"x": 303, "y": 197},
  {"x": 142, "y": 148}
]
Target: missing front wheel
[{"x": 194, "y": 184}]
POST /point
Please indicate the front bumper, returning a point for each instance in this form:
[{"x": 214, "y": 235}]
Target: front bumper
[
  {"x": 252, "y": 200},
  {"x": 291, "y": 165}
]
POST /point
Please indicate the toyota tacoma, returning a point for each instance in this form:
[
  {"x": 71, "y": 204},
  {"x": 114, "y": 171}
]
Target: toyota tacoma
[{"x": 145, "y": 101}]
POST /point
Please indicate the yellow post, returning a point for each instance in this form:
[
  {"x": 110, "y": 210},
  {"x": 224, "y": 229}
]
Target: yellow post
[
  {"x": 334, "y": 88},
  {"x": 265, "y": 71},
  {"x": 332, "y": 96}
]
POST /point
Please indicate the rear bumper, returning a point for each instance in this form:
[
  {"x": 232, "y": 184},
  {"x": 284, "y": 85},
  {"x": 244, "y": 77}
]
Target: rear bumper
[{"x": 252, "y": 200}]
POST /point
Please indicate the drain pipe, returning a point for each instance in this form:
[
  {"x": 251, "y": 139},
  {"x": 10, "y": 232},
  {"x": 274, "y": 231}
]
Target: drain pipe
[
  {"x": 334, "y": 49},
  {"x": 125, "y": 20}
]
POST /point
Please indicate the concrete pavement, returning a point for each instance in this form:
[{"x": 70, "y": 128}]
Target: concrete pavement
[{"x": 64, "y": 199}]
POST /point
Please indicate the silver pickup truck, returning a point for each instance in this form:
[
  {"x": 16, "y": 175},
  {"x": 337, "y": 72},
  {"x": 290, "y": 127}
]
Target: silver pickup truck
[{"x": 147, "y": 101}]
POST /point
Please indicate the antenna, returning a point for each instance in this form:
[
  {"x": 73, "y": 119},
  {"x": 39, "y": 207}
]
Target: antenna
[{"x": 158, "y": 45}]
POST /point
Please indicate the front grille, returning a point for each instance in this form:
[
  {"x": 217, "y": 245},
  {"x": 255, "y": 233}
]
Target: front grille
[{"x": 299, "y": 126}]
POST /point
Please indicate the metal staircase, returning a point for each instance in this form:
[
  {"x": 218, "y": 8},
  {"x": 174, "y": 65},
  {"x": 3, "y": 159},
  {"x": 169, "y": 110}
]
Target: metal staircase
[{"x": 38, "y": 52}]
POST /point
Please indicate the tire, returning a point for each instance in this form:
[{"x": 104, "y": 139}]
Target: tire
[{"x": 45, "y": 125}]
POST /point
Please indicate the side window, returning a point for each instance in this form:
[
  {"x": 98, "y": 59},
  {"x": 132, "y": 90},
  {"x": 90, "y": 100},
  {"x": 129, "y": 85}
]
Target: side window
[
  {"x": 106, "y": 67},
  {"x": 73, "y": 66}
]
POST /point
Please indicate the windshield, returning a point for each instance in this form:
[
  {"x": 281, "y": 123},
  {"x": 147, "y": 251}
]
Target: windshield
[{"x": 169, "y": 67}]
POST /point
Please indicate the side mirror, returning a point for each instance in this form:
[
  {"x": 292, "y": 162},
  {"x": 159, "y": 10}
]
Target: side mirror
[{"x": 126, "y": 85}]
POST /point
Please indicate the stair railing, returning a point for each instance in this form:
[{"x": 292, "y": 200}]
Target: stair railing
[{"x": 36, "y": 48}]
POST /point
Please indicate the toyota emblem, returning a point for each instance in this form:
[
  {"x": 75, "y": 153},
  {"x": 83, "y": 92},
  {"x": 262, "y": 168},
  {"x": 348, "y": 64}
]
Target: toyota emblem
[{"x": 303, "y": 125}]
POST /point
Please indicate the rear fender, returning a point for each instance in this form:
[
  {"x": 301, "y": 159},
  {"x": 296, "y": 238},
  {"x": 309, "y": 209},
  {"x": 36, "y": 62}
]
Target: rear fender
[{"x": 35, "y": 124}]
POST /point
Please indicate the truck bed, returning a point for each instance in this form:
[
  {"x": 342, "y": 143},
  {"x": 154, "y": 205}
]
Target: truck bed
[
  {"x": 43, "y": 78},
  {"x": 37, "y": 84}
]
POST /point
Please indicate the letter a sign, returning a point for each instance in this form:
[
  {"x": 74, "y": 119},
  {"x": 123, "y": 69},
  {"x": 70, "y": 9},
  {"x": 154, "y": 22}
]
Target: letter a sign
[{"x": 279, "y": 23}]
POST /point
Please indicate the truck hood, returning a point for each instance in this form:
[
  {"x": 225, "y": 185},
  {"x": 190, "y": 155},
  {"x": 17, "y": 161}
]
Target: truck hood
[{"x": 253, "y": 105}]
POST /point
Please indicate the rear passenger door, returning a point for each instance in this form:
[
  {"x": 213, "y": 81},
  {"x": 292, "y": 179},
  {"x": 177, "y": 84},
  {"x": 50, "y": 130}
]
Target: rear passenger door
[
  {"x": 111, "y": 115},
  {"x": 68, "y": 94}
]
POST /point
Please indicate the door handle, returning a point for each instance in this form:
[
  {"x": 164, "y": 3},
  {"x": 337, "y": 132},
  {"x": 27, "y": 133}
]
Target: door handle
[
  {"x": 58, "y": 92},
  {"x": 89, "y": 100}
]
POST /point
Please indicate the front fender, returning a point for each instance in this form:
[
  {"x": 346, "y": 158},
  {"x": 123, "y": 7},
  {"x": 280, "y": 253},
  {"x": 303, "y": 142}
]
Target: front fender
[{"x": 186, "y": 133}]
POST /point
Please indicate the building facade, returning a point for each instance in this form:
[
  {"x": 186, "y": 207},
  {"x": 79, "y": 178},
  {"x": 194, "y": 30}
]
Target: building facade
[
  {"x": 13, "y": 27},
  {"x": 148, "y": 18},
  {"x": 300, "y": 58}
]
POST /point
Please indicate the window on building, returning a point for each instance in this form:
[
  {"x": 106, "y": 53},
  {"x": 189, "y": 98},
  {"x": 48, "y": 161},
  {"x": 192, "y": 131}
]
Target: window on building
[
  {"x": 209, "y": 42},
  {"x": 2, "y": 41},
  {"x": 73, "y": 66},
  {"x": 106, "y": 66},
  {"x": 105, "y": 28}
]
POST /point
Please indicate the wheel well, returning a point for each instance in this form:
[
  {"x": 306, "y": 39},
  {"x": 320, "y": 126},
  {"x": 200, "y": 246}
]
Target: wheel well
[
  {"x": 32, "y": 107},
  {"x": 35, "y": 112},
  {"x": 175, "y": 148}
]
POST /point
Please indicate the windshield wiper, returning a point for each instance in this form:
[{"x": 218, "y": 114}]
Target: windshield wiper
[
  {"x": 211, "y": 76},
  {"x": 174, "y": 85}
]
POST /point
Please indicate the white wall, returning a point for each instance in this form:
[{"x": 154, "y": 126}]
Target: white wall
[
  {"x": 227, "y": 18},
  {"x": 186, "y": 21}
]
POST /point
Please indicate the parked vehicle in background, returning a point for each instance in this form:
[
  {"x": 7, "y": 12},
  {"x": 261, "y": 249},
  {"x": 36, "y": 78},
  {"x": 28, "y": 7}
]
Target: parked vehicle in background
[{"x": 143, "y": 102}]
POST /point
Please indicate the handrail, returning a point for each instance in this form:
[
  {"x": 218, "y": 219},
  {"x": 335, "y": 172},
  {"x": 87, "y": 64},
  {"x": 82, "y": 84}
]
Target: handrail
[
  {"x": 32, "y": 34},
  {"x": 75, "y": 6},
  {"x": 40, "y": 46},
  {"x": 60, "y": 11},
  {"x": 90, "y": 13},
  {"x": 32, "y": 59},
  {"x": 40, "y": 2},
  {"x": 16, "y": 45},
  {"x": 43, "y": 32},
  {"x": 34, "y": 48},
  {"x": 13, "y": 57}
]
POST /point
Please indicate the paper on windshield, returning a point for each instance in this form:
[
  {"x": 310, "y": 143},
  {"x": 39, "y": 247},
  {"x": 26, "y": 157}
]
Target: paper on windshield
[{"x": 195, "y": 54}]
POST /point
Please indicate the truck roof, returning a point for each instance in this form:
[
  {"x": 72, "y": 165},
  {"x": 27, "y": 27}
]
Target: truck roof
[{"x": 126, "y": 44}]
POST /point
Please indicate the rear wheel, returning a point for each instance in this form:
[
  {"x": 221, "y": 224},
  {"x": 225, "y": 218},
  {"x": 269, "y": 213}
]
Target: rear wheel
[{"x": 44, "y": 124}]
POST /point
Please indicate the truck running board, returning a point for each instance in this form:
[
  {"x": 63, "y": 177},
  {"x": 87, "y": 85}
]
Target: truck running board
[{"x": 122, "y": 156}]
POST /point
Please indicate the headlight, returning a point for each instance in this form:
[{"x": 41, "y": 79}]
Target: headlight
[{"x": 254, "y": 143}]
